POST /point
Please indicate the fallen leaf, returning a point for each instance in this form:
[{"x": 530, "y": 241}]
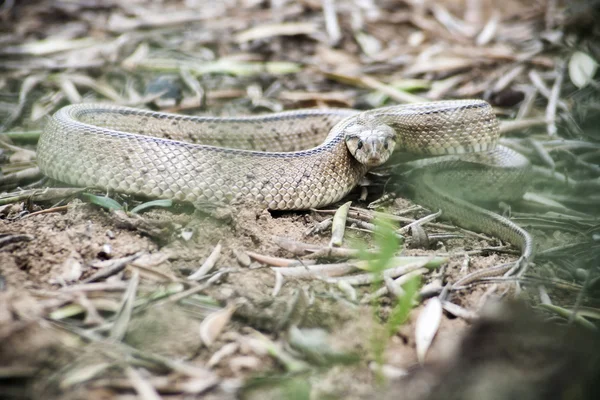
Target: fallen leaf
[
  {"x": 582, "y": 69},
  {"x": 213, "y": 325},
  {"x": 427, "y": 326}
]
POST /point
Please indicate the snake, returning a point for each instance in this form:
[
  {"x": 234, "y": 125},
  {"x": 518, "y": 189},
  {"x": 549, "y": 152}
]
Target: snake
[{"x": 291, "y": 160}]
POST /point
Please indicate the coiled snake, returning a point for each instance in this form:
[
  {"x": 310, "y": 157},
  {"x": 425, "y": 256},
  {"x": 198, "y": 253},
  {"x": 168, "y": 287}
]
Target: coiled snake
[{"x": 290, "y": 160}]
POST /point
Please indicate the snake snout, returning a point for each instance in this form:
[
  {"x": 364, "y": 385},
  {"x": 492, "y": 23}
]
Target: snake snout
[
  {"x": 376, "y": 152},
  {"x": 372, "y": 147}
]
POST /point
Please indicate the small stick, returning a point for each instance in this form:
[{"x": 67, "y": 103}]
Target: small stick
[
  {"x": 48, "y": 211},
  {"x": 362, "y": 224},
  {"x": 320, "y": 227}
]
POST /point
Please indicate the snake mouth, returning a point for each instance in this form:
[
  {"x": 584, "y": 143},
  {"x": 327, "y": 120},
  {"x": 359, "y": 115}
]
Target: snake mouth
[{"x": 374, "y": 161}]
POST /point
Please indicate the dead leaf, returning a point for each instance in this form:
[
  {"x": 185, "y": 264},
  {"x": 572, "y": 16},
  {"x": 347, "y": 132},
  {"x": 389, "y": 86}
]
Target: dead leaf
[
  {"x": 213, "y": 325},
  {"x": 427, "y": 326},
  {"x": 582, "y": 69}
]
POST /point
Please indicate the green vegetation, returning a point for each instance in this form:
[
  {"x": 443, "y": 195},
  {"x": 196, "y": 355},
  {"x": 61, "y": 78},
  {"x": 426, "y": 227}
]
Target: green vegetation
[{"x": 388, "y": 244}]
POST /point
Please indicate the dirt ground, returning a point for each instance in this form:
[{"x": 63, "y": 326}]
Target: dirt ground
[
  {"x": 63, "y": 249},
  {"x": 98, "y": 303}
]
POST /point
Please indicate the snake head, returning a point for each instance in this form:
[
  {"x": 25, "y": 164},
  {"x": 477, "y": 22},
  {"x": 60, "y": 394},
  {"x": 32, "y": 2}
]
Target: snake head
[{"x": 370, "y": 142}]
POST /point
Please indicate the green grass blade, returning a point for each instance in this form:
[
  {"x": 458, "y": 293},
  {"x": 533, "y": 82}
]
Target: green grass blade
[
  {"x": 154, "y": 203},
  {"x": 104, "y": 202}
]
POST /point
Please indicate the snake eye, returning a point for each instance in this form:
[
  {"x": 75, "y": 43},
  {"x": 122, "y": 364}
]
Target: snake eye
[
  {"x": 385, "y": 145},
  {"x": 359, "y": 145}
]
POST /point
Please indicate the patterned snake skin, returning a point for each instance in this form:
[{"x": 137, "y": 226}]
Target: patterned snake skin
[{"x": 284, "y": 161}]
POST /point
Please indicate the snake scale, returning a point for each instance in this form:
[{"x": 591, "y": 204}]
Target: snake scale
[{"x": 285, "y": 161}]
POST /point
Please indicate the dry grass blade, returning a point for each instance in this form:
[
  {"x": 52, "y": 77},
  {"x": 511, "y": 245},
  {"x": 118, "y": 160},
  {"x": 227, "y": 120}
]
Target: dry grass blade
[
  {"x": 93, "y": 287},
  {"x": 338, "y": 226},
  {"x": 427, "y": 326},
  {"x": 49, "y": 46},
  {"x": 142, "y": 386},
  {"x": 100, "y": 87},
  {"x": 83, "y": 374},
  {"x": 123, "y": 317},
  {"x": 420, "y": 221},
  {"x": 453, "y": 24},
  {"x": 489, "y": 30},
  {"x": 270, "y": 30},
  {"x": 365, "y": 279},
  {"x": 227, "y": 350},
  {"x": 27, "y": 87},
  {"x": 69, "y": 89},
  {"x": 320, "y": 270},
  {"x": 19, "y": 177},
  {"x": 295, "y": 247},
  {"x": 395, "y": 286},
  {"x": 327, "y": 252},
  {"x": 372, "y": 83},
  {"x": 192, "y": 83},
  {"x": 331, "y": 22},
  {"x": 208, "y": 264},
  {"x": 348, "y": 290},
  {"x": 274, "y": 261},
  {"x": 213, "y": 325},
  {"x": 459, "y": 311},
  {"x": 118, "y": 351},
  {"x": 223, "y": 66},
  {"x": 553, "y": 102},
  {"x": 112, "y": 267},
  {"x": 343, "y": 98},
  {"x": 279, "y": 280},
  {"x": 45, "y": 194},
  {"x": 174, "y": 298},
  {"x": 565, "y": 313},
  {"x": 248, "y": 57},
  {"x": 521, "y": 124}
]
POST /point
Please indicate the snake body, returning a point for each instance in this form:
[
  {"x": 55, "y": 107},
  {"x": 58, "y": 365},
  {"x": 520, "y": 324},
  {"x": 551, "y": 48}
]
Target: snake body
[{"x": 291, "y": 160}]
